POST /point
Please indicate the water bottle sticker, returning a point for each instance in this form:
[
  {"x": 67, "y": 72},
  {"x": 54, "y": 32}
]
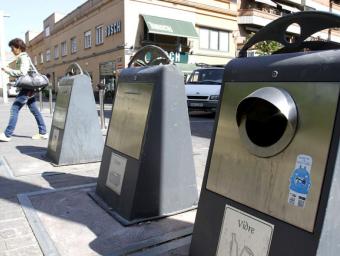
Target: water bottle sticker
[{"x": 300, "y": 181}]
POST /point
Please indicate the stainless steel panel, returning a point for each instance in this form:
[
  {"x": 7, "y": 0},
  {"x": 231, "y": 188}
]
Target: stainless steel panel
[
  {"x": 263, "y": 183},
  {"x": 330, "y": 235},
  {"x": 129, "y": 115},
  {"x": 61, "y": 105}
]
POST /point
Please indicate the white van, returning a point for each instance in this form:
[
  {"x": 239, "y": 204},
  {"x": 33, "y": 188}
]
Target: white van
[{"x": 203, "y": 89}]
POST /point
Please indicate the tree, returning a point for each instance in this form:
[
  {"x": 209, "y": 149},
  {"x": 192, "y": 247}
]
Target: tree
[{"x": 265, "y": 47}]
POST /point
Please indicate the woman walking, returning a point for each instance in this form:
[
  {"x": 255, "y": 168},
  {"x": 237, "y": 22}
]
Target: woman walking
[{"x": 23, "y": 65}]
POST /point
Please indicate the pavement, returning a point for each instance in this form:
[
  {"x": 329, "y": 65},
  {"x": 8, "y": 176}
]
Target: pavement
[{"x": 45, "y": 210}]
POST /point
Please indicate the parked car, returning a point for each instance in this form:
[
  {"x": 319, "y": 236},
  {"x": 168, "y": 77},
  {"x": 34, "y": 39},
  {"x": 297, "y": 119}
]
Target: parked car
[
  {"x": 11, "y": 89},
  {"x": 203, "y": 89}
]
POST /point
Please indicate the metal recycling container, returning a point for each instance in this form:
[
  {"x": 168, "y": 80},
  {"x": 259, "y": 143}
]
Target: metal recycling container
[
  {"x": 270, "y": 185},
  {"x": 147, "y": 169},
  {"x": 75, "y": 135}
]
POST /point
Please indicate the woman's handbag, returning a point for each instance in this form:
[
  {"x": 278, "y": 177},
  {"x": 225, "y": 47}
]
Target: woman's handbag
[{"x": 33, "y": 80}]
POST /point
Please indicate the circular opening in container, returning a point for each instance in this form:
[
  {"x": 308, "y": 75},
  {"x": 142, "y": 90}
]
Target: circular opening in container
[
  {"x": 265, "y": 124},
  {"x": 267, "y": 121}
]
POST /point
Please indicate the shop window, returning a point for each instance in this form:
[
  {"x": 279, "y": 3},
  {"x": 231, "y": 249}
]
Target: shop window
[
  {"x": 48, "y": 55},
  {"x": 99, "y": 35},
  {"x": 63, "y": 48},
  {"x": 56, "y": 52},
  {"x": 212, "y": 39},
  {"x": 87, "y": 39},
  {"x": 74, "y": 45}
]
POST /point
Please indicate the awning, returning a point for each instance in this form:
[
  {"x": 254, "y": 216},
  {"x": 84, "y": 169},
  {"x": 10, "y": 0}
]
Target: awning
[
  {"x": 164, "y": 26},
  {"x": 267, "y": 2}
]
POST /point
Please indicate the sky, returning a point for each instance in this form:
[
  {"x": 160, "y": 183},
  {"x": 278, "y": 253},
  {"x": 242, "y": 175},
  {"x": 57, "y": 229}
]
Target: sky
[{"x": 29, "y": 15}]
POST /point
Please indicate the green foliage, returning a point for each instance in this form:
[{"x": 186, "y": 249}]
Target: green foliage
[{"x": 265, "y": 47}]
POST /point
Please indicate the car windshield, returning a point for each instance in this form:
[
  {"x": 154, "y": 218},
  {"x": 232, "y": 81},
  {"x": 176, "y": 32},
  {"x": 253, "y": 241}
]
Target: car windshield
[{"x": 206, "y": 76}]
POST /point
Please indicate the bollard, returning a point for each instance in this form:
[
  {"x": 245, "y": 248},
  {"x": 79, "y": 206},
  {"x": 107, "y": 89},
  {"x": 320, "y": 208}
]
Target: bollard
[
  {"x": 101, "y": 88},
  {"x": 40, "y": 101},
  {"x": 50, "y": 99}
]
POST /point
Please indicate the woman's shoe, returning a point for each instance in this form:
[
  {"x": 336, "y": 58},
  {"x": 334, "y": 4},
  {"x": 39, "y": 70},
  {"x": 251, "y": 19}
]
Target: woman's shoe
[
  {"x": 4, "y": 138},
  {"x": 40, "y": 136}
]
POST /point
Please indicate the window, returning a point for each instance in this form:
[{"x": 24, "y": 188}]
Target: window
[
  {"x": 212, "y": 39},
  {"x": 41, "y": 57},
  {"x": 204, "y": 38},
  {"x": 63, "y": 49},
  {"x": 99, "y": 35},
  {"x": 48, "y": 55},
  {"x": 223, "y": 41},
  {"x": 56, "y": 52},
  {"x": 35, "y": 60},
  {"x": 73, "y": 45},
  {"x": 87, "y": 40},
  {"x": 47, "y": 31},
  {"x": 206, "y": 76}
]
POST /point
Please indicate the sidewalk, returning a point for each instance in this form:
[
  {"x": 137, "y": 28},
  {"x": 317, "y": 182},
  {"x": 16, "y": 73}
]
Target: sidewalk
[{"x": 56, "y": 198}]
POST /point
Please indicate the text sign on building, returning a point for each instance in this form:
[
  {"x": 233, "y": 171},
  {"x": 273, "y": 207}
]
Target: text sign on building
[
  {"x": 244, "y": 235},
  {"x": 179, "y": 57},
  {"x": 113, "y": 28}
]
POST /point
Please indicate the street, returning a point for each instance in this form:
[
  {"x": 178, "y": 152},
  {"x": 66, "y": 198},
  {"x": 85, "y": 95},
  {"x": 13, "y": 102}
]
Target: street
[{"x": 35, "y": 222}]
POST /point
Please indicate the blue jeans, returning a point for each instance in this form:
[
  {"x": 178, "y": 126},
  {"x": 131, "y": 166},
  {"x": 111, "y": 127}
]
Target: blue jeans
[{"x": 19, "y": 102}]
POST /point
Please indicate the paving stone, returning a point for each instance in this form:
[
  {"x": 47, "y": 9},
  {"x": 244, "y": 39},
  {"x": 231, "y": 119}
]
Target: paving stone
[
  {"x": 22, "y": 241},
  {"x": 11, "y": 215},
  {"x": 8, "y": 233},
  {"x": 2, "y": 246},
  {"x": 26, "y": 251},
  {"x": 20, "y": 227}
]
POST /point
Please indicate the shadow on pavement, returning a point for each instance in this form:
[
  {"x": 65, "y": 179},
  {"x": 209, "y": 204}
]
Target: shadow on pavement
[
  {"x": 21, "y": 136},
  {"x": 61, "y": 210},
  {"x": 35, "y": 152}
]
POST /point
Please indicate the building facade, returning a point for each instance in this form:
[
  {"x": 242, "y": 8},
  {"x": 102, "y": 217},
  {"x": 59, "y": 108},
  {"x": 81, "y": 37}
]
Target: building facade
[
  {"x": 255, "y": 14},
  {"x": 102, "y": 35}
]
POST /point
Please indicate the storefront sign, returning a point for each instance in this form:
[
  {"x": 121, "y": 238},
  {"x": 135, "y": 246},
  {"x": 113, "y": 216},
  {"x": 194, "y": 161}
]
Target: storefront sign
[
  {"x": 107, "y": 68},
  {"x": 179, "y": 57},
  {"x": 114, "y": 28},
  {"x": 160, "y": 27}
]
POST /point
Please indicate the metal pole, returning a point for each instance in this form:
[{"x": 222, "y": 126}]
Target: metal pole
[
  {"x": 101, "y": 103},
  {"x": 40, "y": 100},
  {"x": 3, "y": 61},
  {"x": 50, "y": 98}
]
